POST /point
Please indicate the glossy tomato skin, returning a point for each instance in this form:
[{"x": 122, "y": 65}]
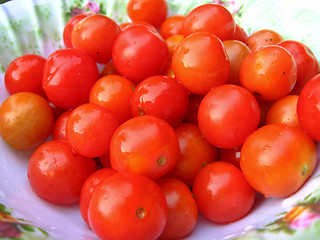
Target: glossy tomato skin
[
  {"x": 173, "y": 42},
  {"x": 68, "y": 28},
  {"x": 172, "y": 26},
  {"x": 90, "y": 128},
  {"x": 227, "y": 115},
  {"x": 56, "y": 172},
  {"x": 230, "y": 155},
  {"x": 277, "y": 159},
  {"x": 200, "y": 63},
  {"x": 307, "y": 63},
  {"x": 59, "y": 127},
  {"x": 26, "y": 120},
  {"x": 240, "y": 34},
  {"x": 24, "y": 74},
  {"x": 307, "y": 107},
  {"x": 96, "y": 34},
  {"x": 263, "y": 37},
  {"x": 182, "y": 209},
  {"x": 131, "y": 206},
  {"x": 88, "y": 187},
  {"x": 145, "y": 145},
  {"x": 68, "y": 77},
  {"x": 270, "y": 72},
  {"x": 213, "y": 18},
  {"x": 150, "y": 11},
  {"x": 222, "y": 193},
  {"x": 140, "y": 52},
  {"x": 160, "y": 96}
]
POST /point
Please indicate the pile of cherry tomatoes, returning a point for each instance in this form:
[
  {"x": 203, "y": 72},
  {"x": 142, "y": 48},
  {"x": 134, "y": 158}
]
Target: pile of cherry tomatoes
[{"x": 189, "y": 114}]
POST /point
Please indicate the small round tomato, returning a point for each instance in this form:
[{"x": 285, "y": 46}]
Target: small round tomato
[
  {"x": 192, "y": 113},
  {"x": 68, "y": 28},
  {"x": 56, "y": 172},
  {"x": 284, "y": 111},
  {"x": 213, "y": 18},
  {"x": 26, "y": 120},
  {"x": 109, "y": 69},
  {"x": 240, "y": 34},
  {"x": 145, "y": 145},
  {"x": 269, "y": 72},
  {"x": 200, "y": 63},
  {"x": 230, "y": 155},
  {"x": 172, "y": 42},
  {"x": 196, "y": 153},
  {"x": 227, "y": 115},
  {"x": 182, "y": 209},
  {"x": 113, "y": 92},
  {"x": 90, "y": 128},
  {"x": 140, "y": 52},
  {"x": 162, "y": 97},
  {"x": 263, "y": 37},
  {"x": 277, "y": 159},
  {"x": 222, "y": 193},
  {"x": 150, "y": 11},
  {"x": 127, "y": 206},
  {"x": 68, "y": 77},
  {"x": 307, "y": 63},
  {"x": 172, "y": 26},
  {"x": 24, "y": 74},
  {"x": 308, "y": 111},
  {"x": 88, "y": 187},
  {"x": 59, "y": 127},
  {"x": 96, "y": 34}
]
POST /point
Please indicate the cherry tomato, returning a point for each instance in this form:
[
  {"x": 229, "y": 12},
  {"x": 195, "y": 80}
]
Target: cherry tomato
[
  {"x": 230, "y": 155},
  {"x": 277, "y": 159},
  {"x": 150, "y": 11},
  {"x": 88, "y": 187},
  {"x": 213, "y": 18},
  {"x": 90, "y": 128},
  {"x": 182, "y": 209},
  {"x": 56, "y": 172},
  {"x": 172, "y": 43},
  {"x": 109, "y": 69},
  {"x": 24, "y": 74},
  {"x": 192, "y": 113},
  {"x": 307, "y": 63},
  {"x": 162, "y": 97},
  {"x": 96, "y": 34},
  {"x": 59, "y": 127},
  {"x": 144, "y": 145},
  {"x": 196, "y": 153},
  {"x": 269, "y": 72},
  {"x": 68, "y": 77},
  {"x": 263, "y": 37},
  {"x": 227, "y": 115},
  {"x": 200, "y": 63},
  {"x": 127, "y": 206},
  {"x": 68, "y": 28},
  {"x": 284, "y": 111},
  {"x": 26, "y": 120},
  {"x": 308, "y": 111},
  {"x": 139, "y": 52},
  {"x": 240, "y": 34},
  {"x": 222, "y": 193},
  {"x": 172, "y": 26},
  {"x": 113, "y": 92}
]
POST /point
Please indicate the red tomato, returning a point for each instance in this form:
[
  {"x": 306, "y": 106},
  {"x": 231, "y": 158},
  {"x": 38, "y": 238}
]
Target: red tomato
[
  {"x": 307, "y": 63},
  {"x": 263, "y": 37},
  {"x": 173, "y": 42},
  {"x": 56, "y": 172},
  {"x": 88, "y": 187},
  {"x": 269, "y": 72},
  {"x": 90, "y": 128},
  {"x": 230, "y": 155},
  {"x": 277, "y": 159},
  {"x": 59, "y": 127},
  {"x": 144, "y": 145},
  {"x": 26, "y": 120},
  {"x": 222, "y": 193},
  {"x": 227, "y": 115},
  {"x": 96, "y": 34},
  {"x": 196, "y": 153},
  {"x": 68, "y": 77},
  {"x": 240, "y": 34},
  {"x": 212, "y": 18},
  {"x": 200, "y": 63},
  {"x": 68, "y": 28},
  {"x": 109, "y": 69},
  {"x": 308, "y": 111},
  {"x": 150, "y": 11},
  {"x": 182, "y": 209},
  {"x": 114, "y": 93},
  {"x": 127, "y": 206},
  {"x": 24, "y": 74},
  {"x": 172, "y": 26},
  {"x": 139, "y": 52},
  {"x": 162, "y": 97},
  {"x": 192, "y": 113}
]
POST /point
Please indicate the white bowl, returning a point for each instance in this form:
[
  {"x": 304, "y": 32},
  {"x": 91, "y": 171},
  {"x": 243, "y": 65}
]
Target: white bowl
[{"x": 36, "y": 27}]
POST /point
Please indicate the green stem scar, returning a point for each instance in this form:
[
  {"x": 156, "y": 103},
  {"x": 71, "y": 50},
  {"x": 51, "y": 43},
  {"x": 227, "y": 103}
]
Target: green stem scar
[
  {"x": 304, "y": 169},
  {"x": 141, "y": 212},
  {"x": 161, "y": 160}
]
